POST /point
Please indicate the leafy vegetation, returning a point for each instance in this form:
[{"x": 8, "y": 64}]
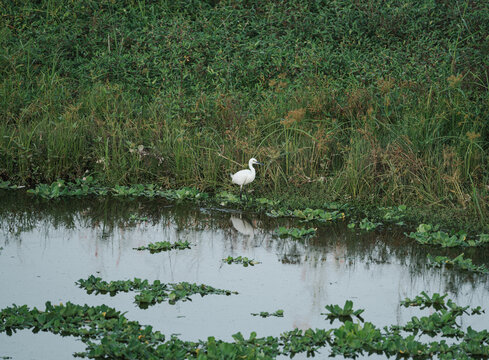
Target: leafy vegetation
[
  {"x": 295, "y": 233},
  {"x": 343, "y": 314},
  {"x": 458, "y": 262},
  {"x": 6, "y": 185},
  {"x": 265, "y": 314},
  {"x": 240, "y": 260},
  {"x": 88, "y": 186},
  {"x": 160, "y": 246},
  {"x": 107, "y": 333},
  {"x": 81, "y": 187},
  {"x": 437, "y": 301},
  {"x": 443, "y": 321},
  {"x": 427, "y": 234},
  {"x": 365, "y": 224},
  {"x": 393, "y": 214},
  {"x": 341, "y": 100},
  {"x": 149, "y": 293},
  {"x": 137, "y": 218},
  {"x": 308, "y": 214}
]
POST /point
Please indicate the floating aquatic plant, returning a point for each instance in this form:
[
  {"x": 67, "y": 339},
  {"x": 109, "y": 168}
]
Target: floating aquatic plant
[
  {"x": 265, "y": 203},
  {"x": 81, "y": 187},
  {"x": 443, "y": 321},
  {"x": 265, "y": 314},
  {"x": 89, "y": 186},
  {"x": 393, "y": 214},
  {"x": 224, "y": 198},
  {"x": 438, "y": 302},
  {"x": 296, "y": 233},
  {"x": 149, "y": 293},
  {"x": 365, "y": 224},
  {"x": 428, "y": 234},
  {"x": 308, "y": 214},
  {"x": 7, "y": 185},
  {"x": 344, "y": 313},
  {"x": 458, "y": 262},
  {"x": 107, "y": 333},
  {"x": 240, "y": 260},
  {"x": 160, "y": 246},
  {"x": 423, "y": 300}
]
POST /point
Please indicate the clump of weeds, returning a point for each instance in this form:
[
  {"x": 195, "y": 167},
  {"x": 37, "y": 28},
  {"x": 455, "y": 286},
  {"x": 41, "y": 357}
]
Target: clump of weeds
[
  {"x": 265, "y": 314},
  {"x": 458, "y": 262},
  {"x": 243, "y": 260},
  {"x": 160, "y": 246},
  {"x": 149, "y": 293}
]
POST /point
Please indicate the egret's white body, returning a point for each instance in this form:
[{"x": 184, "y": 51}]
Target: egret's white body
[{"x": 244, "y": 177}]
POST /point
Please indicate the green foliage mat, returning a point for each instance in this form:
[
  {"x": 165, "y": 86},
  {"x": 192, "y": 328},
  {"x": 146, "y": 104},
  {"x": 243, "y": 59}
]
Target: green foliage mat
[
  {"x": 160, "y": 246},
  {"x": 107, "y": 333},
  {"x": 240, "y": 260},
  {"x": 149, "y": 293}
]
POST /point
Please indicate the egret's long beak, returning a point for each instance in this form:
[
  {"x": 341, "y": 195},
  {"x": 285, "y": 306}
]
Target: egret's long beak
[{"x": 259, "y": 163}]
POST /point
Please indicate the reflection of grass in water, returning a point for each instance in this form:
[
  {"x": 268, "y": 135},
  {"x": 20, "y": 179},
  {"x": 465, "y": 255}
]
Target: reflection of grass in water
[
  {"x": 107, "y": 333},
  {"x": 296, "y": 233}
]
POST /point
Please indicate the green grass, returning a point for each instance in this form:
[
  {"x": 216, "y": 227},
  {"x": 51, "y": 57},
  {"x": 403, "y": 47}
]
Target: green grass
[{"x": 377, "y": 102}]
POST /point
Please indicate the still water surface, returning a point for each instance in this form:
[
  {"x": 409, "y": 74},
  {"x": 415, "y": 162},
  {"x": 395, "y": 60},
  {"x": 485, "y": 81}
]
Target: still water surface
[{"x": 48, "y": 246}]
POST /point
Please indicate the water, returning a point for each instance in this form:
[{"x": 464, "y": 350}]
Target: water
[{"x": 49, "y": 245}]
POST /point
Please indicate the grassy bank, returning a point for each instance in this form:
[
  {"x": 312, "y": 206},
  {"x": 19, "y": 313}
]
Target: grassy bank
[{"x": 379, "y": 102}]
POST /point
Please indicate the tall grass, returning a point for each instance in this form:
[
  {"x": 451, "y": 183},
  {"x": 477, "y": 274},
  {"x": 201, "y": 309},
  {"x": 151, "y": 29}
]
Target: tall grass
[{"x": 379, "y": 102}]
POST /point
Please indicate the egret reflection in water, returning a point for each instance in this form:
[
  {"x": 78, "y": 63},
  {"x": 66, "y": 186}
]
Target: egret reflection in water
[{"x": 243, "y": 226}]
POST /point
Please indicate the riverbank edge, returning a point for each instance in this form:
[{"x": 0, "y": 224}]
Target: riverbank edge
[{"x": 284, "y": 205}]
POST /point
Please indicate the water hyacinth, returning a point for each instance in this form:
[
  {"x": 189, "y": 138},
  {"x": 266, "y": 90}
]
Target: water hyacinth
[
  {"x": 428, "y": 234},
  {"x": 240, "y": 260},
  {"x": 107, "y": 333},
  {"x": 149, "y": 293},
  {"x": 265, "y": 314},
  {"x": 160, "y": 246}
]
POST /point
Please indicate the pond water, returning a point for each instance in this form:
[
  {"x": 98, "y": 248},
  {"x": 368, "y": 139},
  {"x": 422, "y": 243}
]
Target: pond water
[{"x": 48, "y": 245}]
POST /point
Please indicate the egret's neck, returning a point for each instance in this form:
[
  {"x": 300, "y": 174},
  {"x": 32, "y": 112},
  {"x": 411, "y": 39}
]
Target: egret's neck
[{"x": 250, "y": 164}]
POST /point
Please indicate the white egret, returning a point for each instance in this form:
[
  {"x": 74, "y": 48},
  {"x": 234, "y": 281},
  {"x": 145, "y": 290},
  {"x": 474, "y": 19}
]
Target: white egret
[{"x": 244, "y": 177}]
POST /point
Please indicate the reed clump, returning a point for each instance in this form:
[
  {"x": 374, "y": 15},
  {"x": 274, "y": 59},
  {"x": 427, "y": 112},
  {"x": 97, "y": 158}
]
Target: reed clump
[{"x": 351, "y": 101}]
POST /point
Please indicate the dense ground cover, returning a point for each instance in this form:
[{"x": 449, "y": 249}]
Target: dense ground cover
[{"x": 380, "y": 102}]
